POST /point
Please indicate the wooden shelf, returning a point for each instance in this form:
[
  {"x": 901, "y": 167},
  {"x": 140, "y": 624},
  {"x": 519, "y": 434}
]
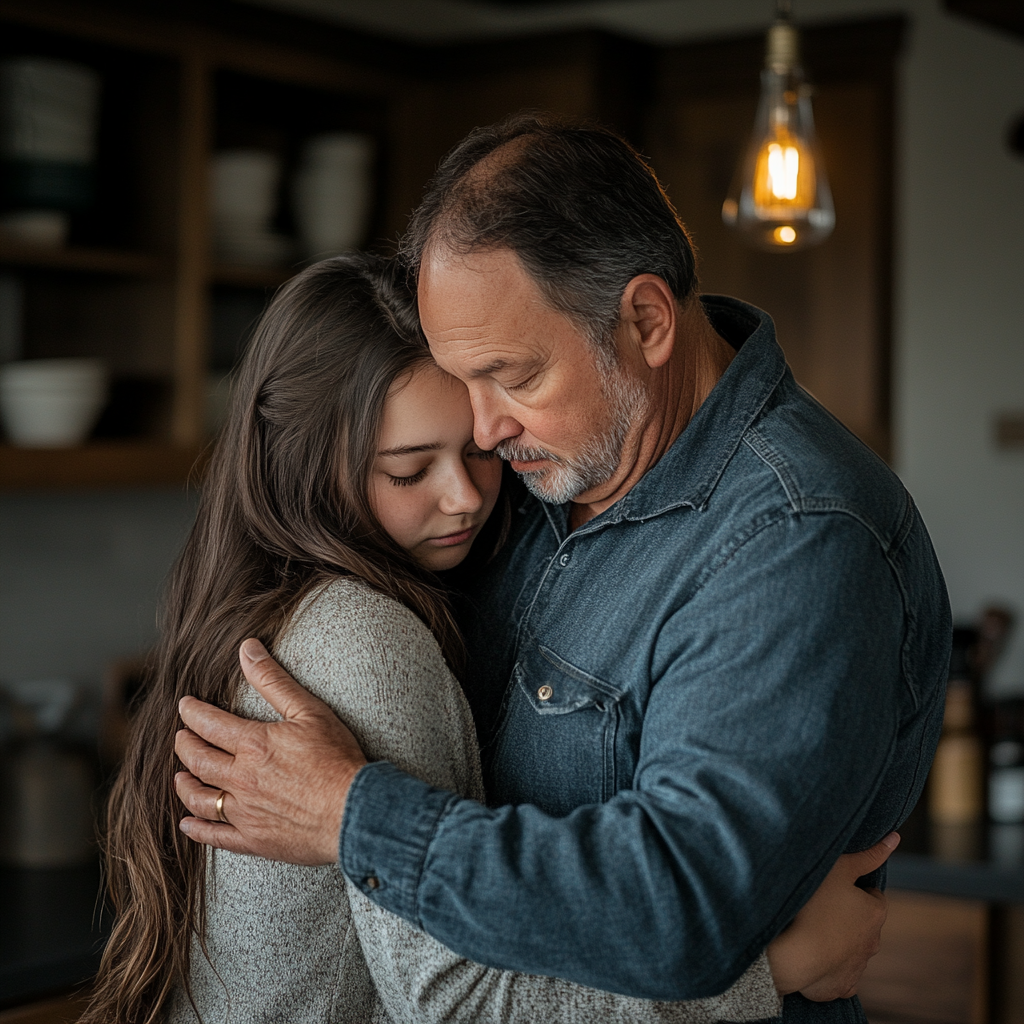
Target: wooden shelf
[
  {"x": 251, "y": 277},
  {"x": 97, "y": 261},
  {"x": 101, "y": 464}
]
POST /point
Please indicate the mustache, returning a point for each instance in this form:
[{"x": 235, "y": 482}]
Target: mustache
[{"x": 510, "y": 451}]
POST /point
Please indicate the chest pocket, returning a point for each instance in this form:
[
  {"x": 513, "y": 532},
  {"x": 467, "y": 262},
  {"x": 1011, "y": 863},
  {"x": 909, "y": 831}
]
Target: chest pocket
[{"x": 555, "y": 747}]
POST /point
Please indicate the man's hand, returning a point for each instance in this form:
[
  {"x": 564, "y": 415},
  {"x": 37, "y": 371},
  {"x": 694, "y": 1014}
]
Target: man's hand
[
  {"x": 284, "y": 783},
  {"x": 826, "y": 949}
]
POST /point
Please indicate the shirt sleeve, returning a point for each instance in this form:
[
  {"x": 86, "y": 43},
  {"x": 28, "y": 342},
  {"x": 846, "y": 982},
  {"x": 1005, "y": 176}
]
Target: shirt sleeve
[
  {"x": 672, "y": 888},
  {"x": 407, "y": 707}
]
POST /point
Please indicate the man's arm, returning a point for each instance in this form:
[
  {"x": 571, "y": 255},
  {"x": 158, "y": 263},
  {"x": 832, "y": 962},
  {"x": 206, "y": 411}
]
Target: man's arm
[
  {"x": 671, "y": 888},
  {"x": 772, "y": 720}
]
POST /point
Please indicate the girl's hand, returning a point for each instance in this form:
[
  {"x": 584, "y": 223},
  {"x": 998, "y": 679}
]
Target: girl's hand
[{"x": 825, "y": 950}]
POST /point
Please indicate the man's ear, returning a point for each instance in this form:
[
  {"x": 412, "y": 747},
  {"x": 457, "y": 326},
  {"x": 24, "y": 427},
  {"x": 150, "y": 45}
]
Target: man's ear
[{"x": 649, "y": 308}]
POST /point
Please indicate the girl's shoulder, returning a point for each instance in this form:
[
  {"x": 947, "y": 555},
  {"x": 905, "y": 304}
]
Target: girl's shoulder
[
  {"x": 347, "y": 641},
  {"x": 347, "y": 611},
  {"x": 379, "y": 668}
]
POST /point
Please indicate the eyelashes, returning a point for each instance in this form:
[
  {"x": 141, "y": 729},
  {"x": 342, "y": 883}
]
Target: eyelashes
[{"x": 405, "y": 481}]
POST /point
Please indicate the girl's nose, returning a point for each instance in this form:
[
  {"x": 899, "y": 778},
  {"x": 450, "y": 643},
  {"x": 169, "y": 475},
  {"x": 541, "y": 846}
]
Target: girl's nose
[{"x": 460, "y": 495}]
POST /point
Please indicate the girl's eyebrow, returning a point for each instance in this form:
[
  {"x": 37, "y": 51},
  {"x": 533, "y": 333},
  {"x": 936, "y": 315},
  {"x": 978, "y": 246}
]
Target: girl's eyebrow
[{"x": 412, "y": 449}]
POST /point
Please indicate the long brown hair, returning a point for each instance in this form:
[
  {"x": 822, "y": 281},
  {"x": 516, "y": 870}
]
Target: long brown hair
[{"x": 283, "y": 509}]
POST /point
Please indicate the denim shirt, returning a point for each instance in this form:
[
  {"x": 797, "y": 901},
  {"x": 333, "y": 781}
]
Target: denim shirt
[{"x": 689, "y": 706}]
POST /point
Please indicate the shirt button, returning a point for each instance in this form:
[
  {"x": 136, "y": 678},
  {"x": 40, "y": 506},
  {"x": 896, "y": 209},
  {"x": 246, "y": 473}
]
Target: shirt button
[
  {"x": 564, "y": 560},
  {"x": 545, "y": 693},
  {"x": 372, "y": 882}
]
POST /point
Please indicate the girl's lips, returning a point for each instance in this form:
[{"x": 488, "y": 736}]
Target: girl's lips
[{"x": 452, "y": 539}]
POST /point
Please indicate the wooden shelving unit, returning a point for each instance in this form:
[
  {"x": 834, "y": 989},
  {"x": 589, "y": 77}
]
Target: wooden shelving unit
[{"x": 136, "y": 285}]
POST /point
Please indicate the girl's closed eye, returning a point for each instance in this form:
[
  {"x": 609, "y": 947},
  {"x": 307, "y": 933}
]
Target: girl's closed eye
[{"x": 405, "y": 481}]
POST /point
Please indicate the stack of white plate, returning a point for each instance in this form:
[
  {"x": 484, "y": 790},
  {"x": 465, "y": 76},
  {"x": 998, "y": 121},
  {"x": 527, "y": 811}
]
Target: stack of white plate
[
  {"x": 51, "y": 403},
  {"x": 243, "y": 188},
  {"x": 333, "y": 191},
  {"x": 49, "y": 112}
]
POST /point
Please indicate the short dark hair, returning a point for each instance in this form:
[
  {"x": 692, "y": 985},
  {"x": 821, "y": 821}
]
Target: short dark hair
[{"x": 575, "y": 202}]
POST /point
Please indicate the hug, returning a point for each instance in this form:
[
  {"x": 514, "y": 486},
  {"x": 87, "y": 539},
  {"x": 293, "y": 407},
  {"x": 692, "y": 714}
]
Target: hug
[{"x": 603, "y": 661}]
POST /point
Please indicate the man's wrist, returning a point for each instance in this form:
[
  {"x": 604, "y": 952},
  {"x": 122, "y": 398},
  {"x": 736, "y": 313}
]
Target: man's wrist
[{"x": 343, "y": 781}]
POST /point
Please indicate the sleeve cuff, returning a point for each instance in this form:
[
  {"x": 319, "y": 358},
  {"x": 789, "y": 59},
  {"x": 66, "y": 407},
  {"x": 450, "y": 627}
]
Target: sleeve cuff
[{"x": 390, "y": 819}]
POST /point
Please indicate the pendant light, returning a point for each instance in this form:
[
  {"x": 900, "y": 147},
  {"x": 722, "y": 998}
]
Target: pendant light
[{"x": 780, "y": 197}]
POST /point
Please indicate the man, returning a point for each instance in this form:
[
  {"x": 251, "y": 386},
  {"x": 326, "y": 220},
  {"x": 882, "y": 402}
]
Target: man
[{"x": 711, "y": 656}]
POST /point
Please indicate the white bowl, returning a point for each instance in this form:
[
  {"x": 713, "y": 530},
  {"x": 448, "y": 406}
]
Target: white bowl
[
  {"x": 51, "y": 403},
  {"x": 332, "y": 192},
  {"x": 243, "y": 186}
]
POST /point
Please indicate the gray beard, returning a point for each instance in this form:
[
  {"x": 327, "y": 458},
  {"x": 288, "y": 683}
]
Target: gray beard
[{"x": 599, "y": 458}]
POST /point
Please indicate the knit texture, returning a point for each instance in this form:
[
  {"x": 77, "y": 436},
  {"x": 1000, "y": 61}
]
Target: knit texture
[{"x": 302, "y": 945}]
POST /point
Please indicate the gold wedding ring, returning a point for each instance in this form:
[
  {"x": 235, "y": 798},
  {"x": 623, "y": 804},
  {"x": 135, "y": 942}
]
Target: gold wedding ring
[{"x": 219, "y": 807}]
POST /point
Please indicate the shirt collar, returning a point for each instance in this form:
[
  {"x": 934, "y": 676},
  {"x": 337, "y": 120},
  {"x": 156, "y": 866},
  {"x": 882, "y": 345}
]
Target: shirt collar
[{"x": 688, "y": 472}]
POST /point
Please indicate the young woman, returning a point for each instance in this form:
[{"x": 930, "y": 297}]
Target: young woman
[{"x": 344, "y": 481}]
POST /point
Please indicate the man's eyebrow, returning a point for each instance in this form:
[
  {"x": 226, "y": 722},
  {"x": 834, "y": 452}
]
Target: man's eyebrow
[
  {"x": 498, "y": 364},
  {"x": 412, "y": 449}
]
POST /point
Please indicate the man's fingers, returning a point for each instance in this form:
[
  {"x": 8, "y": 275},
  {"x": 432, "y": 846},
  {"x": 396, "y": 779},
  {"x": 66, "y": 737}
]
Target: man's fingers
[
  {"x": 199, "y": 799},
  {"x": 278, "y": 688},
  {"x": 216, "y": 726},
  {"x": 212, "y": 833},
  {"x": 205, "y": 762},
  {"x": 874, "y": 857}
]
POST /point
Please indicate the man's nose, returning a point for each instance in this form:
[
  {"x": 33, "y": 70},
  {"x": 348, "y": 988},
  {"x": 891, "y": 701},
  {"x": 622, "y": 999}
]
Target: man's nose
[
  {"x": 491, "y": 423},
  {"x": 460, "y": 495}
]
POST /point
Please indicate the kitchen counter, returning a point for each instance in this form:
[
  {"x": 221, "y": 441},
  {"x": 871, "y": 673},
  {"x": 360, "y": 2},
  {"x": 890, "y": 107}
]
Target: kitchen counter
[
  {"x": 49, "y": 939},
  {"x": 978, "y": 862}
]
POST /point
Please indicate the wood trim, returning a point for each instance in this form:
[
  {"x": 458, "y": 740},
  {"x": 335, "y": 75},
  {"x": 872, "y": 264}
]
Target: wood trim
[
  {"x": 191, "y": 303},
  {"x": 99, "y": 261},
  {"x": 177, "y": 36},
  {"x": 100, "y": 464},
  {"x": 63, "y": 1010}
]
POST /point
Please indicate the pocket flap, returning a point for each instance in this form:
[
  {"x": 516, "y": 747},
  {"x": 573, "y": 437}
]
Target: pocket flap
[{"x": 554, "y": 686}]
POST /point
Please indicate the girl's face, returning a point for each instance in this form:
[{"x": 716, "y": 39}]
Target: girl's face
[{"x": 431, "y": 487}]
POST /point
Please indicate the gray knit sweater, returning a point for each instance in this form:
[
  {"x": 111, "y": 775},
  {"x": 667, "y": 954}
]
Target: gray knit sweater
[{"x": 298, "y": 944}]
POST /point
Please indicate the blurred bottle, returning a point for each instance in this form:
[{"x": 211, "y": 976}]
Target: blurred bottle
[
  {"x": 46, "y": 781},
  {"x": 1006, "y": 763},
  {"x": 956, "y": 788}
]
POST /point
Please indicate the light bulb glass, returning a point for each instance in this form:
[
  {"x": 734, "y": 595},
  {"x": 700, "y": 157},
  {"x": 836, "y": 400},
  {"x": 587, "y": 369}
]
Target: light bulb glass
[{"x": 780, "y": 197}]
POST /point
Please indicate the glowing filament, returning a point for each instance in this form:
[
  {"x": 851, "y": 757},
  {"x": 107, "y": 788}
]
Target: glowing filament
[
  {"x": 783, "y": 170},
  {"x": 783, "y": 177},
  {"x": 784, "y": 235}
]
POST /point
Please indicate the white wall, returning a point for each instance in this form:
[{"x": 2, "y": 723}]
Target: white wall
[{"x": 79, "y": 574}]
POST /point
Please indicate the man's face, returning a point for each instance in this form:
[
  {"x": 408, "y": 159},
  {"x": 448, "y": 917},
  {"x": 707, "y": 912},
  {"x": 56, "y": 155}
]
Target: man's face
[{"x": 540, "y": 394}]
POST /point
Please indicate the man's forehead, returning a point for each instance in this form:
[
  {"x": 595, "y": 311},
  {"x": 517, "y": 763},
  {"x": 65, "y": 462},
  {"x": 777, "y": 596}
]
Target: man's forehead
[{"x": 473, "y": 357}]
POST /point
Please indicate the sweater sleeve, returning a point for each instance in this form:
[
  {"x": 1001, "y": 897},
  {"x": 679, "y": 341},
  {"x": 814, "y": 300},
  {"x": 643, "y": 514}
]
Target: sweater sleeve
[{"x": 381, "y": 670}]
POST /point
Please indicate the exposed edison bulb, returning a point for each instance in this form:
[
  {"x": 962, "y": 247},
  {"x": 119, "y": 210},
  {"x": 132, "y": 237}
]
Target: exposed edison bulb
[{"x": 780, "y": 197}]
